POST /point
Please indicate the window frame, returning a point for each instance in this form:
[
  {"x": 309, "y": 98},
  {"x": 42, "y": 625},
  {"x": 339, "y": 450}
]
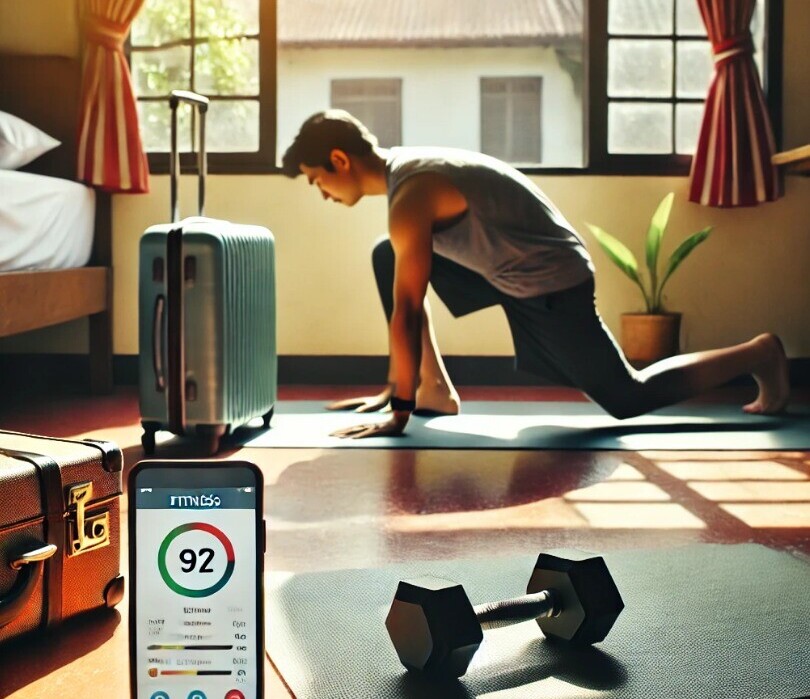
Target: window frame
[
  {"x": 263, "y": 160},
  {"x": 600, "y": 162},
  {"x": 595, "y": 126}
]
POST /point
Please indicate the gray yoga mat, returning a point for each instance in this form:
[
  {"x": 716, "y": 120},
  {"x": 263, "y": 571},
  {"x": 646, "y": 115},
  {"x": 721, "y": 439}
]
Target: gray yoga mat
[
  {"x": 544, "y": 425},
  {"x": 726, "y": 622}
]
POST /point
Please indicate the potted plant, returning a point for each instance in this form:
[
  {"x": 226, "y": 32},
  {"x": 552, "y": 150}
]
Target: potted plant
[{"x": 652, "y": 335}]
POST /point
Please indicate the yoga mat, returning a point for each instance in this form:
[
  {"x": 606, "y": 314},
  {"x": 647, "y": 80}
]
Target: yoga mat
[
  {"x": 544, "y": 425},
  {"x": 726, "y": 622}
]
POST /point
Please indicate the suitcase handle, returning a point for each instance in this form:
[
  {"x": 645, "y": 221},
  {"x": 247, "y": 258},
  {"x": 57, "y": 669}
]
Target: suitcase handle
[
  {"x": 30, "y": 566},
  {"x": 201, "y": 104},
  {"x": 174, "y": 262},
  {"x": 157, "y": 343}
]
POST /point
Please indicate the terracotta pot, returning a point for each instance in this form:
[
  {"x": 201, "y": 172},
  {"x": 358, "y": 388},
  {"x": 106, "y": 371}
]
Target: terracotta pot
[{"x": 647, "y": 338}]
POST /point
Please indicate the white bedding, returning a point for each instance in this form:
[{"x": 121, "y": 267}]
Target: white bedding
[{"x": 45, "y": 222}]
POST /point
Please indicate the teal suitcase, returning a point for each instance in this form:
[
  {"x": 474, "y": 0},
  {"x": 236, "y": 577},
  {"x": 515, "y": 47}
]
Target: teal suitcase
[{"x": 207, "y": 319}]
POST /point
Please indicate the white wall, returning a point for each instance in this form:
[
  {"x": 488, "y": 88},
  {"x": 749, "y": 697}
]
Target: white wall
[{"x": 440, "y": 92}]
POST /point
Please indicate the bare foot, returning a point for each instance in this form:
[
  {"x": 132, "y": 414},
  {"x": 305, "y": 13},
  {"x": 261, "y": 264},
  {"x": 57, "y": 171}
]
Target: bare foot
[
  {"x": 771, "y": 376},
  {"x": 437, "y": 398}
]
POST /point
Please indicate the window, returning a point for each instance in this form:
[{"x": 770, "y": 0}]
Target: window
[
  {"x": 598, "y": 86},
  {"x": 651, "y": 70},
  {"x": 216, "y": 48},
  {"x": 377, "y": 102},
  {"x": 511, "y": 127},
  {"x": 440, "y": 51}
]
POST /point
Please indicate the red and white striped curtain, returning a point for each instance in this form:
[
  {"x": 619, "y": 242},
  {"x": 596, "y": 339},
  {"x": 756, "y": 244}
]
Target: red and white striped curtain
[
  {"x": 732, "y": 164},
  {"x": 111, "y": 155}
]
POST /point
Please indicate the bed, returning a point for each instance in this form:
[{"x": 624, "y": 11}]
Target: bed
[{"x": 44, "y": 90}]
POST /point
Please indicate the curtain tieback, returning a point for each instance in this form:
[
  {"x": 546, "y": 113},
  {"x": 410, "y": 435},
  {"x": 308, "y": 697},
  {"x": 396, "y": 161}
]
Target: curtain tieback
[
  {"x": 105, "y": 32},
  {"x": 732, "y": 48}
]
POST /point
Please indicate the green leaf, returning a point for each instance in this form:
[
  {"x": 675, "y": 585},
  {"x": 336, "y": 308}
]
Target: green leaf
[
  {"x": 680, "y": 254},
  {"x": 621, "y": 256},
  {"x": 658, "y": 225}
]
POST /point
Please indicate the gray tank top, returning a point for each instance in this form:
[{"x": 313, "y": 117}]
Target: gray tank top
[{"x": 512, "y": 234}]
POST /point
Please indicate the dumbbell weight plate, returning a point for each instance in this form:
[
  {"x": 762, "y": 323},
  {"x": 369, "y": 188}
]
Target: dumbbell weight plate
[
  {"x": 584, "y": 593},
  {"x": 434, "y": 626}
]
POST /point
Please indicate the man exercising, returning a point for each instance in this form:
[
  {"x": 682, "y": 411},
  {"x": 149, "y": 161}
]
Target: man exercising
[{"x": 483, "y": 234}]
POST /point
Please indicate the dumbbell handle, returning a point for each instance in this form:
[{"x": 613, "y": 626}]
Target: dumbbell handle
[{"x": 494, "y": 615}]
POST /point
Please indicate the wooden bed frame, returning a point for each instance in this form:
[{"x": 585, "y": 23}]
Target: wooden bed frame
[{"x": 44, "y": 90}]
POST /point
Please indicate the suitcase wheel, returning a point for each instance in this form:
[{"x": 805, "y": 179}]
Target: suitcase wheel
[{"x": 148, "y": 436}]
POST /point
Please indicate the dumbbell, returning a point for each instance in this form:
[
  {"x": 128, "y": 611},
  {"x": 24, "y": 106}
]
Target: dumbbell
[{"x": 436, "y": 630}]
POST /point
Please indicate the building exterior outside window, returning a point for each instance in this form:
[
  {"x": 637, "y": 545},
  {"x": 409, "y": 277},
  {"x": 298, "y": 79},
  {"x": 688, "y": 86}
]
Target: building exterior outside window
[
  {"x": 377, "y": 102},
  {"x": 511, "y": 119}
]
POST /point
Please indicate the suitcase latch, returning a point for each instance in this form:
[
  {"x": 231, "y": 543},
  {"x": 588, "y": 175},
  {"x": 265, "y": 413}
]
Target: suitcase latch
[{"x": 85, "y": 532}]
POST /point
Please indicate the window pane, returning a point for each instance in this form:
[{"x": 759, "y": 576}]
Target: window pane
[
  {"x": 695, "y": 68},
  {"x": 440, "y": 53},
  {"x": 688, "y": 118},
  {"x": 639, "y": 128},
  {"x": 227, "y": 67},
  {"x": 226, "y": 18},
  {"x": 156, "y": 73},
  {"x": 375, "y": 102},
  {"x": 689, "y": 21},
  {"x": 758, "y": 33},
  {"x": 639, "y": 68},
  {"x": 640, "y": 16},
  {"x": 161, "y": 21},
  {"x": 511, "y": 119},
  {"x": 155, "y": 122},
  {"x": 233, "y": 126}
]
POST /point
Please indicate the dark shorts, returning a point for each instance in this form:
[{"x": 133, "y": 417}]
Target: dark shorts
[{"x": 558, "y": 336}]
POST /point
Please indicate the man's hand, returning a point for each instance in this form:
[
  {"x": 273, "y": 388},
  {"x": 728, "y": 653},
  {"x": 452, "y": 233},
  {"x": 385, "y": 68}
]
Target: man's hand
[
  {"x": 390, "y": 428},
  {"x": 363, "y": 404}
]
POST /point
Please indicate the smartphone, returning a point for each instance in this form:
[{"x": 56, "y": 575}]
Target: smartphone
[{"x": 196, "y": 606}]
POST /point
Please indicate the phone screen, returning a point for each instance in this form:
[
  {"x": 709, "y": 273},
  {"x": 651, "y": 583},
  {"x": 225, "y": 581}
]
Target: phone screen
[{"x": 196, "y": 550}]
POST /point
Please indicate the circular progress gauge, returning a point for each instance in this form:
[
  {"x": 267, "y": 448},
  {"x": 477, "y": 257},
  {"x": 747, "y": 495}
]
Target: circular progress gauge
[{"x": 163, "y": 566}]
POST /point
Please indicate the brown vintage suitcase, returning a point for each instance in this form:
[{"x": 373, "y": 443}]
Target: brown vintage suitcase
[{"x": 59, "y": 530}]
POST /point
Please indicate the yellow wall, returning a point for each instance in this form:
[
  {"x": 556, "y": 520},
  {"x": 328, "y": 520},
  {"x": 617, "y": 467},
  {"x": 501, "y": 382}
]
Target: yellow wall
[
  {"x": 48, "y": 27},
  {"x": 750, "y": 276}
]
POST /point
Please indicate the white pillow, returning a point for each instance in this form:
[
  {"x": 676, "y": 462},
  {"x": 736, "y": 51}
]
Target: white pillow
[{"x": 20, "y": 142}]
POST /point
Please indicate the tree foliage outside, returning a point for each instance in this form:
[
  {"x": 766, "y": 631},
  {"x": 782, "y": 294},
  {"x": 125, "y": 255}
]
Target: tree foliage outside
[{"x": 225, "y": 63}]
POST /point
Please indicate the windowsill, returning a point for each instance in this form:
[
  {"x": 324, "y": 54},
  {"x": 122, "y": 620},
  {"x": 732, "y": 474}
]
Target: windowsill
[
  {"x": 675, "y": 170},
  {"x": 796, "y": 161}
]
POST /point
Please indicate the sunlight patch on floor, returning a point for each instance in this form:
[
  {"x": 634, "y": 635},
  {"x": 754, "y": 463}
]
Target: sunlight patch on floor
[
  {"x": 552, "y": 513},
  {"x": 626, "y": 472},
  {"x": 619, "y": 492},
  {"x": 779, "y": 491},
  {"x": 730, "y": 471},
  {"x": 773, "y": 515},
  {"x": 638, "y": 516}
]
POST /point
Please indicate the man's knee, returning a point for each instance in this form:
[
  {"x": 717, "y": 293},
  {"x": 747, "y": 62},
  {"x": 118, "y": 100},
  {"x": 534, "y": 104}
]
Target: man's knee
[
  {"x": 620, "y": 403},
  {"x": 382, "y": 261},
  {"x": 621, "y": 409},
  {"x": 382, "y": 256}
]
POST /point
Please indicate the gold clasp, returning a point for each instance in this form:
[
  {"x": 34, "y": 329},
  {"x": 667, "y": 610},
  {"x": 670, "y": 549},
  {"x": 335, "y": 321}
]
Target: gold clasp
[{"x": 85, "y": 533}]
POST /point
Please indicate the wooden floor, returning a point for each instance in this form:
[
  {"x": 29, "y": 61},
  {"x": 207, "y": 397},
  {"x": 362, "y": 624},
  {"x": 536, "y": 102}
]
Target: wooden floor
[{"x": 333, "y": 509}]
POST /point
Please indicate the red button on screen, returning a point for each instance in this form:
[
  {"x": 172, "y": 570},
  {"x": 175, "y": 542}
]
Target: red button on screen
[{"x": 234, "y": 694}]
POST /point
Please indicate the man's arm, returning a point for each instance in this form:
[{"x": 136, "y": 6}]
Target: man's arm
[
  {"x": 410, "y": 221},
  {"x": 410, "y": 227}
]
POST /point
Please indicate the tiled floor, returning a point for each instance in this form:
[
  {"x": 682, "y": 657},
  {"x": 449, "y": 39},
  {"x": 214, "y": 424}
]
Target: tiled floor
[{"x": 347, "y": 508}]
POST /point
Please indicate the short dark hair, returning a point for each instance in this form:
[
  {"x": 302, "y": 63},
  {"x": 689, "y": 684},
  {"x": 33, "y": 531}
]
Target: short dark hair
[{"x": 333, "y": 128}]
